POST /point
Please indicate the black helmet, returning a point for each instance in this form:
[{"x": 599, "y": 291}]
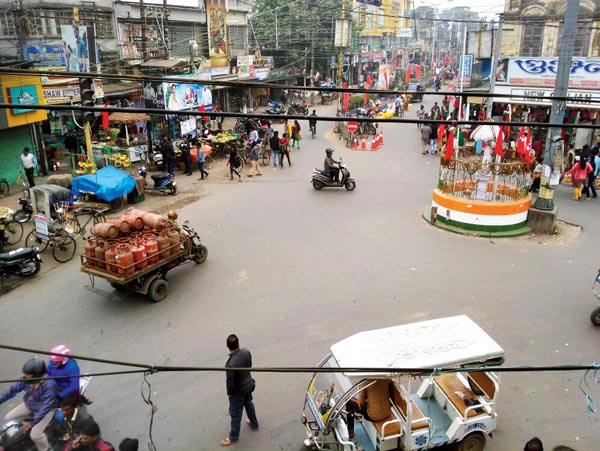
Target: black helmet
[
  {"x": 142, "y": 171},
  {"x": 35, "y": 367},
  {"x": 329, "y": 151}
]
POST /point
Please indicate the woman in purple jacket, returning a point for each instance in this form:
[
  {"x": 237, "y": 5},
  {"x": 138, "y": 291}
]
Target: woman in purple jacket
[{"x": 40, "y": 400}]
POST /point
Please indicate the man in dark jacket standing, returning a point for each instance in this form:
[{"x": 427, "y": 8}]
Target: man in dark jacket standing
[
  {"x": 168, "y": 153},
  {"x": 240, "y": 386}
]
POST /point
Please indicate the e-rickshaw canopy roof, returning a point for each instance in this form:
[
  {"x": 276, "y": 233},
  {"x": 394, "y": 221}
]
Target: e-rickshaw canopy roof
[{"x": 439, "y": 343}]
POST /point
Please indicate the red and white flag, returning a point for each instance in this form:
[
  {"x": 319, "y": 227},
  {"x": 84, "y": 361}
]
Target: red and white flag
[
  {"x": 521, "y": 147},
  {"x": 500, "y": 144},
  {"x": 449, "y": 146}
]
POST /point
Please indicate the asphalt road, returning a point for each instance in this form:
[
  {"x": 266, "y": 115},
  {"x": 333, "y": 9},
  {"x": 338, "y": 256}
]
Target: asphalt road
[{"x": 292, "y": 270}]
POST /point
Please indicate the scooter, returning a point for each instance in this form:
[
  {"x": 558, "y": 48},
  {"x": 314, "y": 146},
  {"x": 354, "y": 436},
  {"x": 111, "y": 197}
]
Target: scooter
[
  {"x": 163, "y": 183},
  {"x": 22, "y": 262},
  {"x": 12, "y": 439},
  {"x": 321, "y": 179}
]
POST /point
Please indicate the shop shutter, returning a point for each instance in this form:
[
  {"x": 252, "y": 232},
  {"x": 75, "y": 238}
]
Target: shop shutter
[{"x": 12, "y": 141}]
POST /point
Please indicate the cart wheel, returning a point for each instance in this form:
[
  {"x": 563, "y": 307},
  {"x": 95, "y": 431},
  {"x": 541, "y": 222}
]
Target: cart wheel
[
  {"x": 472, "y": 442},
  {"x": 200, "y": 257},
  {"x": 116, "y": 204},
  {"x": 34, "y": 240},
  {"x": 595, "y": 317},
  {"x": 158, "y": 290},
  {"x": 63, "y": 248},
  {"x": 13, "y": 232}
]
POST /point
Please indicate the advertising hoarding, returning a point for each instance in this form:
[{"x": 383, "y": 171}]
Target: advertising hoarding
[
  {"x": 79, "y": 45},
  {"x": 45, "y": 55},
  {"x": 216, "y": 14},
  {"x": 187, "y": 96}
]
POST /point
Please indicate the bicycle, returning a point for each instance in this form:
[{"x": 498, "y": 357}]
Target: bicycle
[
  {"x": 11, "y": 231},
  {"x": 4, "y": 188},
  {"x": 72, "y": 224},
  {"x": 63, "y": 246}
]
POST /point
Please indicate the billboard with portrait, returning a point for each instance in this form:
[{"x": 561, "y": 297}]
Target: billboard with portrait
[
  {"x": 153, "y": 94},
  {"x": 187, "y": 96},
  {"x": 79, "y": 45},
  {"x": 216, "y": 15}
]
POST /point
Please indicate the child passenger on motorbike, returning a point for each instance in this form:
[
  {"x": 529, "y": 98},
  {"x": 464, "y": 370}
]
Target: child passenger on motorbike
[{"x": 40, "y": 400}]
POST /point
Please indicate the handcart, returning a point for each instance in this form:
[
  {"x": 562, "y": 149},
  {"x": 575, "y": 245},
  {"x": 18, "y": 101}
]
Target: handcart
[
  {"x": 150, "y": 281},
  {"x": 108, "y": 184}
]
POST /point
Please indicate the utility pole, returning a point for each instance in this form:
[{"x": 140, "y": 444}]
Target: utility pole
[
  {"x": 22, "y": 28},
  {"x": 494, "y": 69},
  {"x": 143, "y": 29},
  {"x": 551, "y": 173}
]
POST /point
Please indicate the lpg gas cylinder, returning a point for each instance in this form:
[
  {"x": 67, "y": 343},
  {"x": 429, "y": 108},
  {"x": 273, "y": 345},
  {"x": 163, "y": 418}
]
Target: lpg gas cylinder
[
  {"x": 90, "y": 246},
  {"x": 139, "y": 254},
  {"x": 163, "y": 246},
  {"x": 111, "y": 256},
  {"x": 151, "y": 248},
  {"x": 125, "y": 260},
  {"x": 100, "y": 254},
  {"x": 154, "y": 221},
  {"x": 174, "y": 240}
]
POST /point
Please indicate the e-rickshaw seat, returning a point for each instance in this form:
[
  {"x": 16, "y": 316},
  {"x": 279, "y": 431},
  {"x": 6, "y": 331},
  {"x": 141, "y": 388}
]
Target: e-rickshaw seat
[
  {"x": 456, "y": 391},
  {"x": 483, "y": 382},
  {"x": 390, "y": 429},
  {"x": 401, "y": 404}
]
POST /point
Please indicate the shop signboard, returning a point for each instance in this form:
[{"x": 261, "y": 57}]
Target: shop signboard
[
  {"x": 541, "y": 72},
  {"x": 61, "y": 94},
  {"x": 543, "y": 96},
  {"x": 23, "y": 95},
  {"x": 278, "y": 73},
  {"x": 187, "y": 96},
  {"x": 465, "y": 70},
  {"x": 216, "y": 15},
  {"x": 245, "y": 71},
  {"x": 188, "y": 127},
  {"x": 245, "y": 60},
  {"x": 79, "y": 45},
  {"x": 262, "y": 73},
  {"x": 45, "y": 55}
]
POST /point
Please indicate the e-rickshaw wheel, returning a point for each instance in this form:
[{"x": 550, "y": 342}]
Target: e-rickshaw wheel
[
  {"x": 158, "y": 290},
  {"x": 595, "y": 317},
  {"x": 472, "y": 442},
  {"x": 116, "y": 204}
]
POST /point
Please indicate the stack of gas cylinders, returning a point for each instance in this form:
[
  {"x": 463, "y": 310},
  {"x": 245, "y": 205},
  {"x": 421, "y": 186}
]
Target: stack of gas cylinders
[{"x": 128, "y": 244}]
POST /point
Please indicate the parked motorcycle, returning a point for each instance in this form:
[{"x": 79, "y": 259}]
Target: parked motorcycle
[
  {"x": 163, "y": 183},
  {"x": 12, "y": 439},
  {"x": 21, "y": 262},
  {"x": 297, "y": 108},
  {"x": 321, "y": 179},
  {"x": 24, "y": 213}
]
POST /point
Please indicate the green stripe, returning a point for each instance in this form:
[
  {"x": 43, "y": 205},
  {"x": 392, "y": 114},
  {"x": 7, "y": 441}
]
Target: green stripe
[{"x": 480, "y": 227}]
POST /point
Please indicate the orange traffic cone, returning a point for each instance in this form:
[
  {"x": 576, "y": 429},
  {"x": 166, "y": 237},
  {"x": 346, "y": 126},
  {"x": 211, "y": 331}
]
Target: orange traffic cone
[
  {"x": 363, "y": 144},
  {"x": 375, "y": 142},
  {"x": 380, "y": 137},
  {"x": 355, "y": 143}
]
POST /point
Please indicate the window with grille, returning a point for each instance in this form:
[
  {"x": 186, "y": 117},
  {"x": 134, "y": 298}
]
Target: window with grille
[
  {"x": 237, "y": 38},
  {"x": 7, "y": 24},
  {"x": 102, "y": 20},
  {"x": 533, "y": 37}
]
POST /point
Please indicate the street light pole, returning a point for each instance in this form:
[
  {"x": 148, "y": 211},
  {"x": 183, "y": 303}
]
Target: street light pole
[{"x": 550, "y": 173}]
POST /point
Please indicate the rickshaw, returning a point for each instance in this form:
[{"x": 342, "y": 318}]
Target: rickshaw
[{"x": 443, "y": 408}]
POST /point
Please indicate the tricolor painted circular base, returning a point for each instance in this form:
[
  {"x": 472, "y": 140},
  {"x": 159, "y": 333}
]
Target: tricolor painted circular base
[{"x": 478, "y": 215}]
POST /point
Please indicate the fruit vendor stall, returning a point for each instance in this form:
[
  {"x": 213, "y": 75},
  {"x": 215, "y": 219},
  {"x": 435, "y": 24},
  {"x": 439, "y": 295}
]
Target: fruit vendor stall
[{"x": 220, "y": 141}]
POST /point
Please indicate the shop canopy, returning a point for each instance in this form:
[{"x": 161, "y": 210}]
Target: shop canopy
[{"x": 128, "y": 118}]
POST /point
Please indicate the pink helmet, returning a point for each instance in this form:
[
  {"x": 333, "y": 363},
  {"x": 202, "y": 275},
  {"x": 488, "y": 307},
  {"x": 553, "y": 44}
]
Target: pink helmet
[{"x": 60, "y": 349}]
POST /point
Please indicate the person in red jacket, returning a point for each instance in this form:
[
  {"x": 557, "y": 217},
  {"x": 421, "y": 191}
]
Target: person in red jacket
[
  {"x": 579, "y": 173},
  {"x": 89, "y": 440}
]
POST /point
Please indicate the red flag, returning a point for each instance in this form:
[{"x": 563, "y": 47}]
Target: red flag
[
  {"x": 440, "y": 134},
  {"x": 499, "y": 143},
  {"x": 449, "y": 145},
  {"x": 367, "y": 86},
  {"x": 521, "y": 142},
  {"x": 418, "y": 71},
  {"x": 528, "y": 146},
  {"x": 408, "y": 71},
  {"x": 105, "y": 119}
]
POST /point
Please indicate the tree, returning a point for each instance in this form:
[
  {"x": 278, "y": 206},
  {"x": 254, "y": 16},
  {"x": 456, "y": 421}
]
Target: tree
[{"x": 292, "y": 30}]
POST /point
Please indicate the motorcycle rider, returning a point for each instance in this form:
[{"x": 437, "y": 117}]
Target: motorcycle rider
[
  {"x": 62, "y": 365},
  {"x": 330, "y": 165},
  {"x": 40, "y": 399},
  {"x": 312, "y": 122}
]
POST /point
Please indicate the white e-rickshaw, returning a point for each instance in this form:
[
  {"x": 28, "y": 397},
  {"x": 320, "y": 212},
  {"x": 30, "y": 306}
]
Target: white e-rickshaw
[{"x": 444, "y": 407}]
